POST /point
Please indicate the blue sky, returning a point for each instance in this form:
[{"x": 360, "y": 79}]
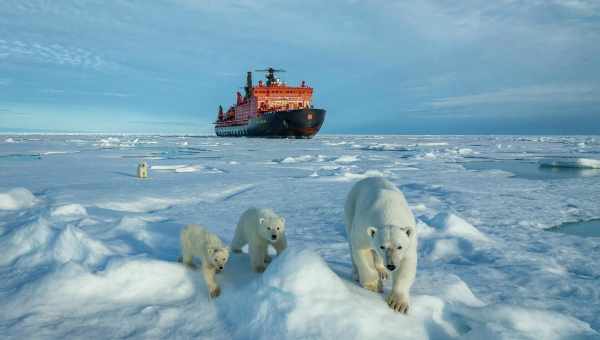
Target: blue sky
[{"x": 428, "y": 66}]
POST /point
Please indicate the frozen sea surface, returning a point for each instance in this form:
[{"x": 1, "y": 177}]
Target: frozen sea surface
[
  {"x": 88, "y": 250},
  {"x": 589, "y": 228}
]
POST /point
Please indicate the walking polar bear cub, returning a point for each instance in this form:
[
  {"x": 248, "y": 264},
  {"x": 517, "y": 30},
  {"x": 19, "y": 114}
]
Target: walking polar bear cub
[
  {"x": 198, "y": 242},
  {"x": 258, "y": 228},
  {"x": 382, "y": 235}
]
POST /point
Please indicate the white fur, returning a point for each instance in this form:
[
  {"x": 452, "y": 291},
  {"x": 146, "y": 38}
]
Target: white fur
[
  {"x": 257, "y": 228},
  {"x": 198, "y": 242},
  {"x": 377, "y": 215}
]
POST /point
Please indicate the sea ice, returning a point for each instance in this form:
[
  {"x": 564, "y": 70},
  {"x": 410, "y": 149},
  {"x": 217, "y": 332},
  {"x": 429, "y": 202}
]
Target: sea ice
[
  {"x": 76, "y": 210},
  {"x": 580, "y": 163},
  {"x": 93, "y": 253}
]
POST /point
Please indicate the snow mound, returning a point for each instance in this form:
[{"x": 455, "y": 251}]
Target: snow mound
[
  {"x": 183, "y": 168},
  {"x": 385, "y": 147},
  {"x": 345, "y": 174},
  {"x": 328, "y": 170},
  {"x": 17, "y": 198},
  {"x": 176, "y": 168},
  {"x": 30, "y": 240},
  {"x": 38, "y": 243},
  {"x": 433, "y": 144},
  {"x": 73, "y": 244},
  {"x": 448, "y": 237},
  {"x": 46, "y": 153},
  {"x": 137, "y": 227},
  {"x": 9, "y": 140},
  {"x": 299, "y": 297},
  {"x": 465, "y": 151},
  {"x": 515, "y": 322},
  {"x": 109, "y": 142},
  {"x": 350, "y": 176},
  {"x": 346, "y": 159},
  {"x": 140, "y": 205},
  {"x": 453, "y": 225},
  {"x": 69, "y": 210},
  {"x": 456, "y": 291},
  {"x": 73, "y": 289},
  {"x": 301, "y": 159},
  {"x": 427, "y": 156},
  {"x": 578, "y": 163}
]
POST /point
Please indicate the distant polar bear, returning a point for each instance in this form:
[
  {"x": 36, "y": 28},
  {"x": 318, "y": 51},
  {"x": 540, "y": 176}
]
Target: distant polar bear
[
  {"x": 142, "y": 170},
  {"x": 382, "y": 234},
  {"x": 198, "y": 242},
  {"x": 258, "y": 228}
]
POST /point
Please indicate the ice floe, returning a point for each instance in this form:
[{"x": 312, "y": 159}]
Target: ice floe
[
  {"x": 385, "y": 147},
  {"x": 578, "y": 163}
]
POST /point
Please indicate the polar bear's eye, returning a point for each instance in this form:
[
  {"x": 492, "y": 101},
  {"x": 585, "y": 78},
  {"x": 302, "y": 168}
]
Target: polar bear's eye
[
  {"x": 399, "y": 247},
  {"x": 268, "y": 228},
  {"x": 408, "y": 232},
  {"x": 277, "y": 228}
]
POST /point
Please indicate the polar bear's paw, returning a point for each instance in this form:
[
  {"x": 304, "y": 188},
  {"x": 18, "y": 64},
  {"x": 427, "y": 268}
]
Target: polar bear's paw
[
  {"x": 259, "y": 268},
  {"x": 373, "y": 286},
  {"x": 268, "y": 258},
  {"x": 398, "y": 302},
  {"x": 215, "y": 292},
  {"x": 383, "y": 273}
]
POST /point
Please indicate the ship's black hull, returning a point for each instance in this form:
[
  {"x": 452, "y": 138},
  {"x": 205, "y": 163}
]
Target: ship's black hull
[{"x": 301, "y": 123}]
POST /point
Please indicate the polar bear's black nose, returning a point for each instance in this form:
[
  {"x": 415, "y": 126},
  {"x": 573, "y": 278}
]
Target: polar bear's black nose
[
  {"x": 391, "y": 267},
  {"x": 273, "y": 237},
  {"x": 221, "y": 268}
]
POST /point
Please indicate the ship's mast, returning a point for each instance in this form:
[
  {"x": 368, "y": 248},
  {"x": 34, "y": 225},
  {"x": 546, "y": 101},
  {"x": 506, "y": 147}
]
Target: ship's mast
[
  {"x": 271, "y": 79},
  {"x": 248, "y": 87}
]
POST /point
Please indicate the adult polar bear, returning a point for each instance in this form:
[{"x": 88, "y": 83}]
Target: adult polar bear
[{"x": 381, "y": 233}]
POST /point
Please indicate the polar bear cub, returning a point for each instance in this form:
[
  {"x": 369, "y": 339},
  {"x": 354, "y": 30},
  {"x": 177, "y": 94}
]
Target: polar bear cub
[
  {"x": 382, "y": 235},
  {"x": 198, "y": 242},
  {"x": 258, "y": 228}
]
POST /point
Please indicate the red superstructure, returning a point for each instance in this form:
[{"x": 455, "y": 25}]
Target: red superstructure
[
  {"x": 269, "y": 97},
  {"x": 271, "y": 109}
]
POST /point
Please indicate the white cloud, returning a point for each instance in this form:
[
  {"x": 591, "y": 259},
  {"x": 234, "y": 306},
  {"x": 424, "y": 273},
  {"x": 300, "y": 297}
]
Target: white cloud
[
  {"x": 86, "y": 93},
  {"x": 551, "y": 93},
  {"x": 53, "y": 54},
  {"x": 582, "y": 7},
  {"x": 473, "y": 20}
]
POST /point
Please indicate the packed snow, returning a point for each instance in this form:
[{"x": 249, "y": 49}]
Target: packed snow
[
  {"x": 89, "y": 250},
  {"x": 580, "y": 163},
  {"x": 17, "y": 198}
]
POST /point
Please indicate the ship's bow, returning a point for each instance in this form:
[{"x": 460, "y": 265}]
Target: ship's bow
[{"x": 301, "y": 123}]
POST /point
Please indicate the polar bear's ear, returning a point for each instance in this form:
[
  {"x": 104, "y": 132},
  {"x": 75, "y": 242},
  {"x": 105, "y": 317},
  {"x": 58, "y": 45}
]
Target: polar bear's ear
[
  {"x": 261, "y": 220},
  {"x": 210, "y": 251},
  {"x": 372, "y": 231},
  {"x": 282, "y": 220}
]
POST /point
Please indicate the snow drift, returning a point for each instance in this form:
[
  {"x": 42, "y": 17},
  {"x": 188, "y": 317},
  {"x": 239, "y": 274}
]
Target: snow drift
[
  {"x": 577, "y": 163},
  {"x": 17, "y": 198}
]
